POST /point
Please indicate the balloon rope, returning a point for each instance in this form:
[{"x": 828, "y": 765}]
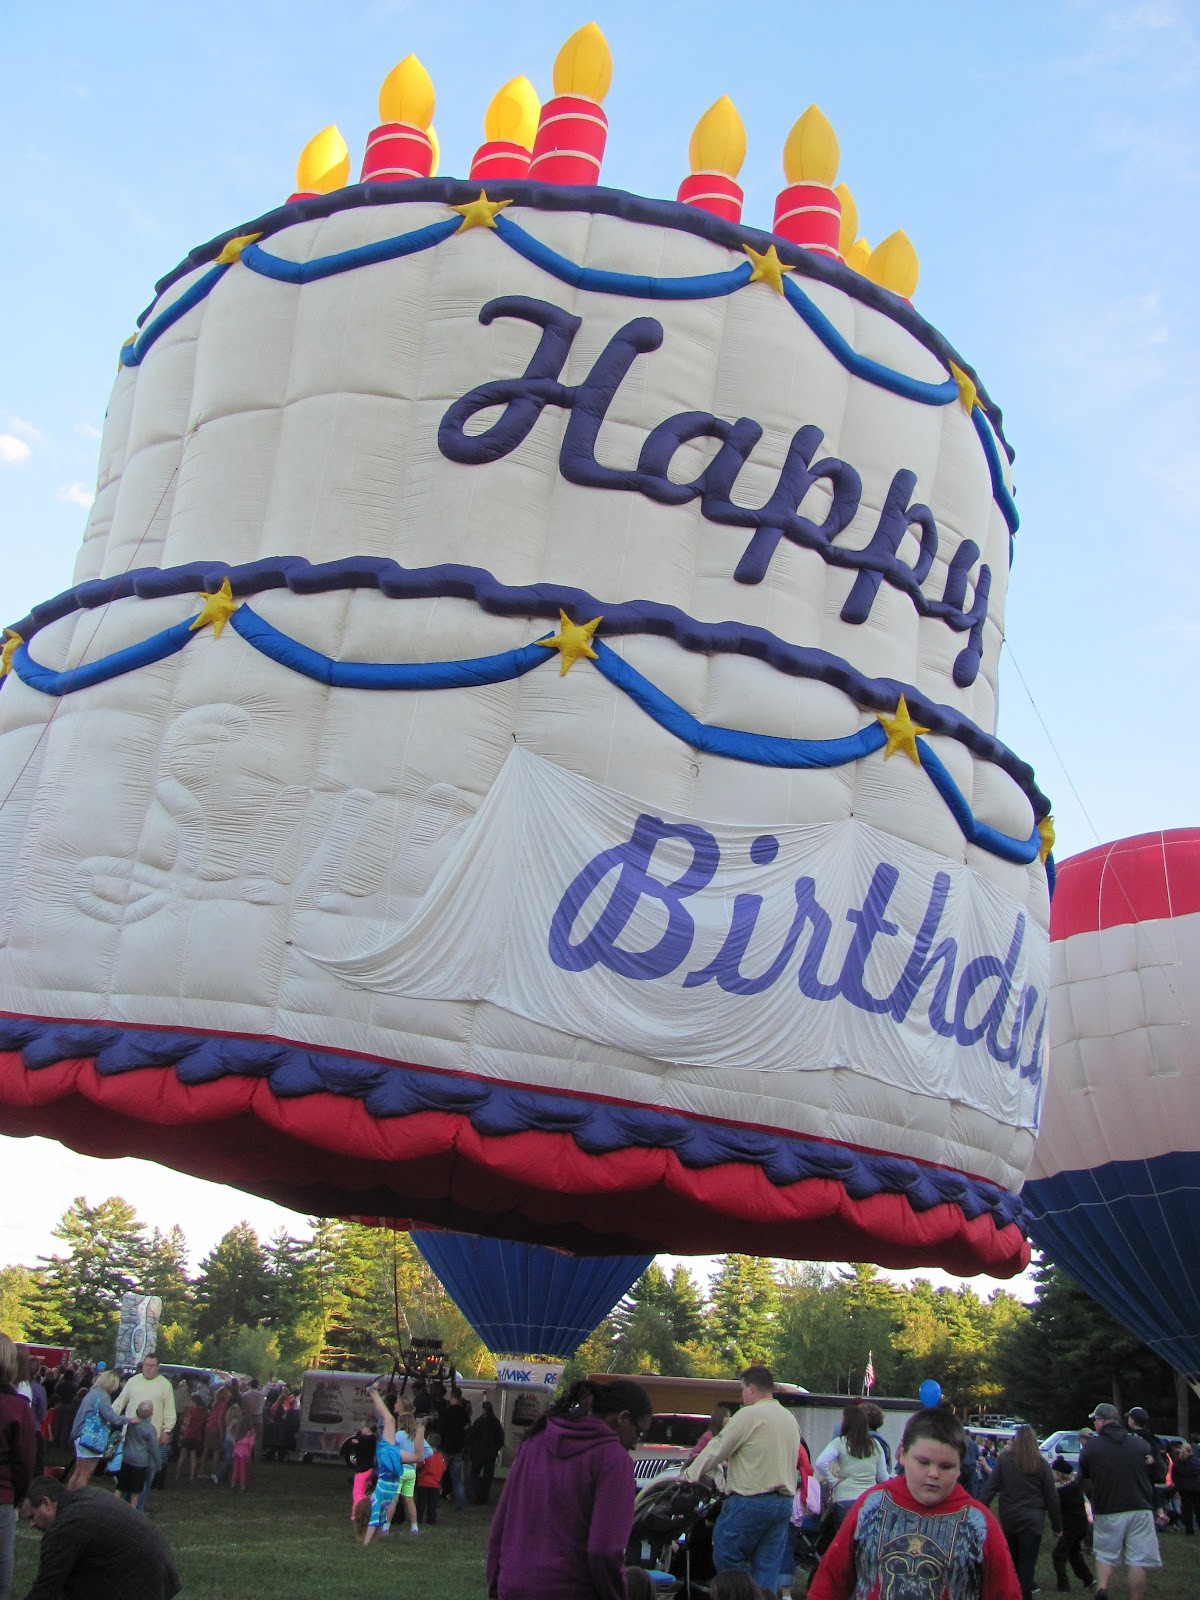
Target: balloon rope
[
  {"x": 1050, "y": 737},
  {"x": 1110, "y": 865}
]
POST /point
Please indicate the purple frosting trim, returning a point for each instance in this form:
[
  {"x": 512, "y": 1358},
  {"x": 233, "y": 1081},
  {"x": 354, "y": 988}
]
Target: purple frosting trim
[
  {"x": 600, "y": 202},
  {"x": 599, "y": 1127},
  {"x": 539, "y": 600}
]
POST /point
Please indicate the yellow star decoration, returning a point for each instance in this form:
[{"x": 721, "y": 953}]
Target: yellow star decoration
[
  {"x": 11, "y": 640},
  {"x": 218, "y": 608},
  {"x": 902, "y": 732},
  {"x": 232, "y": 249},
  {"x": 1046, "y": 829},
  {"x": 767, "y": 268},
  {"x": 480, "y": 213},
  {"x": 573, "y": 640},
  {"x": 967, "y": 391}
]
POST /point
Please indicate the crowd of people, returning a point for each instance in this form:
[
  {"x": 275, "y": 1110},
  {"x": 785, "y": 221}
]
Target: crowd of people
[{"x": 921, "y": 1523}]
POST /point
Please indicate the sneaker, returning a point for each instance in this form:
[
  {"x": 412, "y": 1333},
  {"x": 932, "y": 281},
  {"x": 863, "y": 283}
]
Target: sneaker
[{"x": 412, "y": 1528}]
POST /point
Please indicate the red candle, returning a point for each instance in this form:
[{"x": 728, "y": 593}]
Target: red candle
[
  {"x": 572, "y": 129},
  {"x": 509, "y": 127},
  {"x": 715, "y": 153},
  {"x": 396, "y": 151},
  {"x": 713, "y": 191},
  {"x": 401, "y": 147},
  {"x": 808, "y": 212}
]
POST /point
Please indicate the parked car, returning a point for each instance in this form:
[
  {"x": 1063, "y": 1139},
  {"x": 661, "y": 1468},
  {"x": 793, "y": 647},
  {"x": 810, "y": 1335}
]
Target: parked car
[
  {"x": 1065, "y": 1443},
  {"x": 213, "y": 1377},
  {"x": 667, "y": 1445}
]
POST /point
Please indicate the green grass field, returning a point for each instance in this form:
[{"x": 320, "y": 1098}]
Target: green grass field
[{"x": 290, "y": 1538}]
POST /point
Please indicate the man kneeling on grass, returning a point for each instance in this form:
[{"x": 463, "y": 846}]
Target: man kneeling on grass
[
  {"x": 921, "y": 1534},
  {"x": 95, "y": 1547}
]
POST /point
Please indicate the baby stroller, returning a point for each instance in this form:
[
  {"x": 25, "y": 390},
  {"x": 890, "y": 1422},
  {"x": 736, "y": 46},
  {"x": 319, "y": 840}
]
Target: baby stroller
[
  {"x": 672, "y": 1535},
  {"x": 806, "y": 1545}
]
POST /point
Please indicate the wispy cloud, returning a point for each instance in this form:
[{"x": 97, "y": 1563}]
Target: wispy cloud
[
  {"x": 22, "y": 429},
  {"x": 75, "y": 494},
  {"x": 89, "y": 430},
  {"x": 14, "y": 452}
]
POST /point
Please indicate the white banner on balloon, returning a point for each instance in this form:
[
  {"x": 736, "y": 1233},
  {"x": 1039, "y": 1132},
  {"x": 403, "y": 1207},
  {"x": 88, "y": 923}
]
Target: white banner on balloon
[{"x": 728, "y": 947}]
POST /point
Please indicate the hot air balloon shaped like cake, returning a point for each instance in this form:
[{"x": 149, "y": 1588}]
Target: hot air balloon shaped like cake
[{"x": 519, "y": 750}]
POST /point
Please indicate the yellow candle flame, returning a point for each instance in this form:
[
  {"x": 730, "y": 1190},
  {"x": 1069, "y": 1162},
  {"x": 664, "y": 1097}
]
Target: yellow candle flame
[
  {"x": 848, "y": 231},
  {"x": 718, "y": 142},
  {"x": 437, "y": 150},
  {"x": 584, "y": 65},
  {"x": 857, "y": 256},
  {"x": 324, "y": 163},
  {"x": 406, "y": 95},
  {"x": 811, "y": 153},
  {"x": 893, "y": 264},
  {"x": 513, "y": 114}
]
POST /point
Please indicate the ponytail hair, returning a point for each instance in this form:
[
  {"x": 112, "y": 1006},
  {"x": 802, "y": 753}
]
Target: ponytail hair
[{"x": 589, "y": 1398}]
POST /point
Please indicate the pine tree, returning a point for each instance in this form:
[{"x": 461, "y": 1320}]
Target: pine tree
[
  {"x": 77, "y": 1296},
  {"x": 163, "y": 1270},
  {"x": 231, "y": 1290},
  {"x": 684, "y": 1305},
  {"x": 654, "y": 1322},
  {"x": 297, "y": 1305},
  {"x": 1070, "y": 1354},
  {"x": 742, "y": 1309}
]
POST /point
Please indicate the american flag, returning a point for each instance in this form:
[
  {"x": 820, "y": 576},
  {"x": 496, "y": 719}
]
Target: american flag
[{"x": 869, "y": 1374}]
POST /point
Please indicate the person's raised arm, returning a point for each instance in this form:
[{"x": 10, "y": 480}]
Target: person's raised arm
[{"x": 385, "y": 1419}]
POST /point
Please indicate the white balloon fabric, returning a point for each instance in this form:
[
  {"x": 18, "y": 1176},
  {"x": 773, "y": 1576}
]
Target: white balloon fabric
[
  {"x": 519, "y": 751},
  {"x": 1115, "y": 1181}
]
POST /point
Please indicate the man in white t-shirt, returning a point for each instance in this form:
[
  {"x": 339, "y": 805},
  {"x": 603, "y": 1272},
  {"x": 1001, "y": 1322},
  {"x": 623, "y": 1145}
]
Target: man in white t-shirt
[{"x": 149, "y": 1384}]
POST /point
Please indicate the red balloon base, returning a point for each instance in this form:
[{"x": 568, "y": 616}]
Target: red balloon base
[{"x": 326, "y": 1154}]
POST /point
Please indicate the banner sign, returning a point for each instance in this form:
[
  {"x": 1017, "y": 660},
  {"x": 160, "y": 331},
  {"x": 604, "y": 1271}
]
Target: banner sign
[{"x": 727, "y": 947}]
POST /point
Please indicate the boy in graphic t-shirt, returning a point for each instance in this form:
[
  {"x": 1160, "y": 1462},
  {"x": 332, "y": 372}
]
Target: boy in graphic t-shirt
[{"x": 920, "y": 1534}]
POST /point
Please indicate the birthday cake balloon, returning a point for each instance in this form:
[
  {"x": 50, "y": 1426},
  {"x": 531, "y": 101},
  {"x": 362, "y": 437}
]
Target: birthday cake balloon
[{"x": 519, "y": 750}]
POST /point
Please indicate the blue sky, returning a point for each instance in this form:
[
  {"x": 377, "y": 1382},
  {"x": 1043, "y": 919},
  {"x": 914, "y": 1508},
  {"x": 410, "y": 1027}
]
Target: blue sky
[{"x": 1044, "y": 160}]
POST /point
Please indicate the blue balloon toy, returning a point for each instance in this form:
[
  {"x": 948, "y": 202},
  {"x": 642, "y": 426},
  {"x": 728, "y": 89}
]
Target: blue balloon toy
[{"x": 930, "y": 1393}]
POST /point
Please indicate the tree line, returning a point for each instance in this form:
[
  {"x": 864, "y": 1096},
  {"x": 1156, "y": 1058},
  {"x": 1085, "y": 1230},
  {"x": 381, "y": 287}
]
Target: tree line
[
  {"x": 346, "y": 1296},
  {"x": 350, "y": 1297}
]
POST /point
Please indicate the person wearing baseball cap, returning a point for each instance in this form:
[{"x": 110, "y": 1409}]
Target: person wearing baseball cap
[{"x": 1114, "y": 1469}]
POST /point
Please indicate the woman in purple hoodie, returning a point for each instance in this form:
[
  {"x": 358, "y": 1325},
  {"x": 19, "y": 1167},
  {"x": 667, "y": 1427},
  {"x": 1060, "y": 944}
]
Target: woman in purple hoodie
[{"x": 564, "y": 1518}]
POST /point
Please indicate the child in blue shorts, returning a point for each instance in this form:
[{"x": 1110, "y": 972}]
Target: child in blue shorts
[{"x": 392, "y": 1456}]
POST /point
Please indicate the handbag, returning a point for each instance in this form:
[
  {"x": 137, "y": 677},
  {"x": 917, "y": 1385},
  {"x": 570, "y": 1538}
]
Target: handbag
[
  {"x": 115, "y": 1452},
  {"x": 94, "y": 1434}
]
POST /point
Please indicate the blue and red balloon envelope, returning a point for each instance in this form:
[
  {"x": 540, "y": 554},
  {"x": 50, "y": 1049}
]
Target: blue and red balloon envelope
[{"x": 1114, "y": 1190}]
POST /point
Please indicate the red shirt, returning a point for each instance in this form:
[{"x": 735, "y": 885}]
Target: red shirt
[
  {"x": 431, "y": 1471},
  {"x": 891, "y": 1544}
]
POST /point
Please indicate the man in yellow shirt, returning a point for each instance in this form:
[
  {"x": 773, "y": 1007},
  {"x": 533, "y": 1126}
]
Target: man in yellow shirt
[
  {"x": 759, "y": 1446},
  {"x": 149, "y": 1384}
]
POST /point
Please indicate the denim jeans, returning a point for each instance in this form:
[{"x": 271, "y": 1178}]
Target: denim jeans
[
  {"x": 151, "y": 1474},
  {"x": 750, "y": 1536},
  {"x": 8, "y": 1524},
  {"x": 457, "y": 1483}
]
